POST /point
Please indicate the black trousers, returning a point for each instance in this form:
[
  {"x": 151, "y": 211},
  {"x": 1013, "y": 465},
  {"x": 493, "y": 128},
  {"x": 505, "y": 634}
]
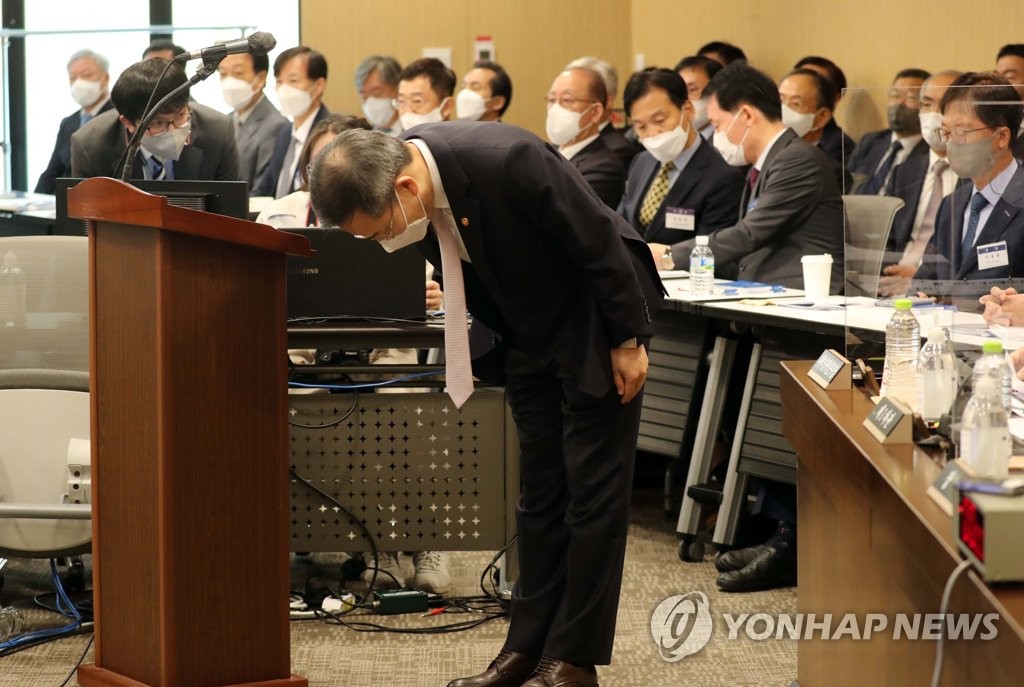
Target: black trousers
[{"x": 576, "y": 465}]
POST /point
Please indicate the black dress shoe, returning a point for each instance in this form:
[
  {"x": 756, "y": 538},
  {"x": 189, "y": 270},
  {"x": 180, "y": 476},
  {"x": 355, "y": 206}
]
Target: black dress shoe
[
  {"x": 509, "y": 669},
  {"x": 772, "y": 568},
  {"x": 737, "y": 559},
  {"x": 554, "y": 673}
]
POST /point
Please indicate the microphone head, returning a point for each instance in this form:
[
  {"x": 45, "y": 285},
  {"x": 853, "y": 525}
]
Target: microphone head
[{"x": 261, "y": 42}]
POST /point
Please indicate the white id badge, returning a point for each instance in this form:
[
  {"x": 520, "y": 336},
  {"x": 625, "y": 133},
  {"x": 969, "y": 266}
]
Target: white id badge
[
  {"x": 993, "y": 255},
  {"x": 680, "y": 218}
]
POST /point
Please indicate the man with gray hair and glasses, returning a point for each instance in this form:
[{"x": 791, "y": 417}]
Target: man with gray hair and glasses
[
  {"x": 625, "y": 148},
  {"x": 377, "y": 84},
  {"x": 89, "y": 78},
  {"x": 561, "y": 291}
]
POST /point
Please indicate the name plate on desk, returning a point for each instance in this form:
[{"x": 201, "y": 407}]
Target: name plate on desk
[
  {"x": 831, "y": 371},
  {"x": 890, "y": 422},
  {"x": 943, "y": 490}
]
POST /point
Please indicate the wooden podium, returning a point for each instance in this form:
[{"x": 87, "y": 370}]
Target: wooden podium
[{"x": 188, "y": 377}]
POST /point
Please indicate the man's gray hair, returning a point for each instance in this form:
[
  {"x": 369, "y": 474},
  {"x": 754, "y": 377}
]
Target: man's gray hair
[
  {"x": 387, "y": 68},
  {"x": 99, "y": 59},
  {"x": 356, "y": 172},
  {"x": 608, "y": 73}
]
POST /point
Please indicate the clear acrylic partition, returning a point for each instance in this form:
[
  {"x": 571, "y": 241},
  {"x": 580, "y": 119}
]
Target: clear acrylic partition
[{"x": 886, "y": 254}]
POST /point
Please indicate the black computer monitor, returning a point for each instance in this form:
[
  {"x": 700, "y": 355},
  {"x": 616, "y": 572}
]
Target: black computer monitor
[{"x": 230, "y": 198}]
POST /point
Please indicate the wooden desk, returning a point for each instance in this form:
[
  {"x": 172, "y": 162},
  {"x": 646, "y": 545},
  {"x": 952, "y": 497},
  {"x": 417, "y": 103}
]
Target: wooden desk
[{"x": 872, "y": 541}]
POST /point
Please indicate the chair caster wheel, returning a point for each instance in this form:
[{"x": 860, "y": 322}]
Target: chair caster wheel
[{"x": 691, "y": 549}]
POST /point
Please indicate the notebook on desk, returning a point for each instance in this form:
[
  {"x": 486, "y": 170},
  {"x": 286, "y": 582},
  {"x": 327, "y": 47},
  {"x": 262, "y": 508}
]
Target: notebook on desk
[{"x": 354, "y": 278}]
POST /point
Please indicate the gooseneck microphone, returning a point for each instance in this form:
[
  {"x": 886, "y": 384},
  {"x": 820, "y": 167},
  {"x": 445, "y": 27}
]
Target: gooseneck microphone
[{"x": 259, "y": 43}]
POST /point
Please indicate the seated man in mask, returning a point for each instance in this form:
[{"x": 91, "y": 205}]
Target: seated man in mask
[{"x": 184, "y": 141}]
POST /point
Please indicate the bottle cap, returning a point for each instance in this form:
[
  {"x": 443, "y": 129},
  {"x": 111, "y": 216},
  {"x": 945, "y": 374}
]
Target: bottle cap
[
  {"x": 702, "y": 240},
  {"x": 902, "y": 304},
  {"x": 992, "y": 347}
]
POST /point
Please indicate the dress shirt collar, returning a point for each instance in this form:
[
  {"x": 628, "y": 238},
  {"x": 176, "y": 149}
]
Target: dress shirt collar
[
  {"x": 993, "y": 191},
  {"x": 240, "y": 118},
  {"x": 768, "y": 148},
  {"x": 569, "y": 151},
  {"x": 440, "y": 198},
  {"x": 908, "y": 142},
  {"x": 301, "y": 133}
]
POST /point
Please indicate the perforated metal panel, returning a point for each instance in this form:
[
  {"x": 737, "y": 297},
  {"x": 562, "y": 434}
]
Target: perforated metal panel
[{"x": 419, "y": 473}]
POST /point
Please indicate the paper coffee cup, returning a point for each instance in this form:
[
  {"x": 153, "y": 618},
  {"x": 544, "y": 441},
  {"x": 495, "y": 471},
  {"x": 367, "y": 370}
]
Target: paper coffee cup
[{"x": 817, "y": 276}]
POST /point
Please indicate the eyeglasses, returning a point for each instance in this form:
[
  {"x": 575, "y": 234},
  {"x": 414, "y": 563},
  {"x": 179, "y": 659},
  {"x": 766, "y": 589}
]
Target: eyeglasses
[
  {"x": 957, "y": 135},
  {"x": 415, "y": 104},
  {"x": 164, "y": 122},
  {"x": 567, "y": 101}
]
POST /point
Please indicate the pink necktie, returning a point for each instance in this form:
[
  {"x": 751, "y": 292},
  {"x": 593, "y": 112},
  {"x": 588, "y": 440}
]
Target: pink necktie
[{"x": 458, "y": 368}]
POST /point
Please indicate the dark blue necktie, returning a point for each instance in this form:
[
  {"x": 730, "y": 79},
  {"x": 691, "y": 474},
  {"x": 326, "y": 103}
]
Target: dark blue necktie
[
  {"x": 877, "y": 182},
  {"x": 83, "y": 118},
  {"x": 978, "y": 202},
  {"x": 155, "y": 167}
]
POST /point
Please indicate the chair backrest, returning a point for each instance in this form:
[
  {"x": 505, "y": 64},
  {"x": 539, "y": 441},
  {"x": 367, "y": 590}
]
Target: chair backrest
[
  {"x": 868, "y": 221},
  {"x": 44, "y": 303}
]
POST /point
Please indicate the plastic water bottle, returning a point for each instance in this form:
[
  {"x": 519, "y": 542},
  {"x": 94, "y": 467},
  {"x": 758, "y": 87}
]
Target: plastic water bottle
[
  {"x": 902, "y": 343},
  {"x": 993, "y": 363},
  {"x": 11, "y": 623},
  {"x": 984, "y": 432},
  {"x": 702, "y": 268},
  {"x": 937, "y": 369}
]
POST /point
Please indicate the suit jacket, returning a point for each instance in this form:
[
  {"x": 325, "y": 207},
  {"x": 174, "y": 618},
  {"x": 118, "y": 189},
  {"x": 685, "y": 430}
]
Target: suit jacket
[
  {"x": 60, "y": 160},
  {"x": 708, "y": 185},
  {"x": 602, "y": 170},
  {"x": 554, "y": 272},
  {"x": 267, "y": 183},
  {"x": 872, "y": 148},
  {"x": 210, "y": 155},
  {"x": 835, "y": 143},
  {"x": 623, "y": 148},
  {"x": 795, "y": 209},
  {"x": 1006, "y": 223},
  {"x": 256, "y": 140}
]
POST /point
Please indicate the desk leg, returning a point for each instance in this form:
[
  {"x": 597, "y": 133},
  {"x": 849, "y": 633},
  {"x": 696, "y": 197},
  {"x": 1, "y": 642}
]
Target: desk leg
[
  {"x": 735, "y": 489},
  {"x": 707, "y": 426}
]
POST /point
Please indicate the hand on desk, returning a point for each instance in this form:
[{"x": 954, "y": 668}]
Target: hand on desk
[
  {"x": 1017, "y": 360},
  {"x": 629, "y": 370},
  {"x": 658, "y": 253},
  {"x": 1003, "y": 307},
  {"x": 435, "y": 298},
  {"x": 895, "y": 280}
]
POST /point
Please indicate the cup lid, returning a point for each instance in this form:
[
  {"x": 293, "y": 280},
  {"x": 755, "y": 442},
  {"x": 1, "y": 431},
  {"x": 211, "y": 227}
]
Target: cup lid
[{"x": 817, "y": 258}]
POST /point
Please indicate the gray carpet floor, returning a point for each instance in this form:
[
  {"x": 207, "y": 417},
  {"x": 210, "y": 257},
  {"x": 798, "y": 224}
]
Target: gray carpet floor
[{"x": 339, "y": 657}]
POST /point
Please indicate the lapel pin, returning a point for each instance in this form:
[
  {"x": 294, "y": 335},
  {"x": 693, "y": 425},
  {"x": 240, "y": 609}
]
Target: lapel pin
[{"x": 465, "y": 221}]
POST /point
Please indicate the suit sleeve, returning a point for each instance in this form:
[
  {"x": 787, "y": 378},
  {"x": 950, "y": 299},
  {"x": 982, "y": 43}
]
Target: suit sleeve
[
  {"x": 227, "y": 164},
  {"x": 558, "y": 203},
  {"x": 55, "y": 168},
  {"x": 794, "y": 185},
  {"x": 720, "y": 210},
  {"x": 933, "y": 258}
]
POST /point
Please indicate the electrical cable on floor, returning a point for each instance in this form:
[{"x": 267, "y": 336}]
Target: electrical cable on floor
[
  {"x": 79, "y": 662},
  {"x": 64, "y": 607},
  {"x": 943, "y": 608}
]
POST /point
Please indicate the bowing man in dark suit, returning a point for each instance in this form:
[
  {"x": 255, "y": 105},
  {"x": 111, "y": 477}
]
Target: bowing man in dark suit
[
  {"x": 980, "y": 228},
  {"x": 563, "y": 289},
  {"x": 184, "y": 140},
  {"x": 680, "y": 186},
  {"x": 791, "y": 204},
  {"x": 89, "y": 77},
  {"x": 576, "y": 102},
  {"x": 879, "y": 152},
  {"x": 242, "y": 80},
  {"x": 921, "y": 183},
  {"x": 301, "y": 76}
]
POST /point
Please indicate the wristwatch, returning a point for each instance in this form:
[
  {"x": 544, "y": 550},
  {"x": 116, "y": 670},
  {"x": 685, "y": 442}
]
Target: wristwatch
[
  {"x": 630, "y": 343},
  {"x": 667, "y": 261}
]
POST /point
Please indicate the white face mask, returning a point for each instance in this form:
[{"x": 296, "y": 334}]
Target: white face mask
[
  {"x": 801, "y": 123},
  {"x": 732, "y": 152},
  {"x": 235, "y": 91},
  {"x": 470, "y": 105},
  {"x": 667, "y": 145},
  {"x": 85, "y": 92},
  {"x": 931, "y": 122},
  {"x": 294, "y": 101},
  {"x": 169, "y": 144},
  {"x": 700, "y": 113},
  {"x": 563, "y": 125},
  {"x": 414, "y": 231},
  {"x": 378, "y": 111},
  {"x": 411, "y": 119}
]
